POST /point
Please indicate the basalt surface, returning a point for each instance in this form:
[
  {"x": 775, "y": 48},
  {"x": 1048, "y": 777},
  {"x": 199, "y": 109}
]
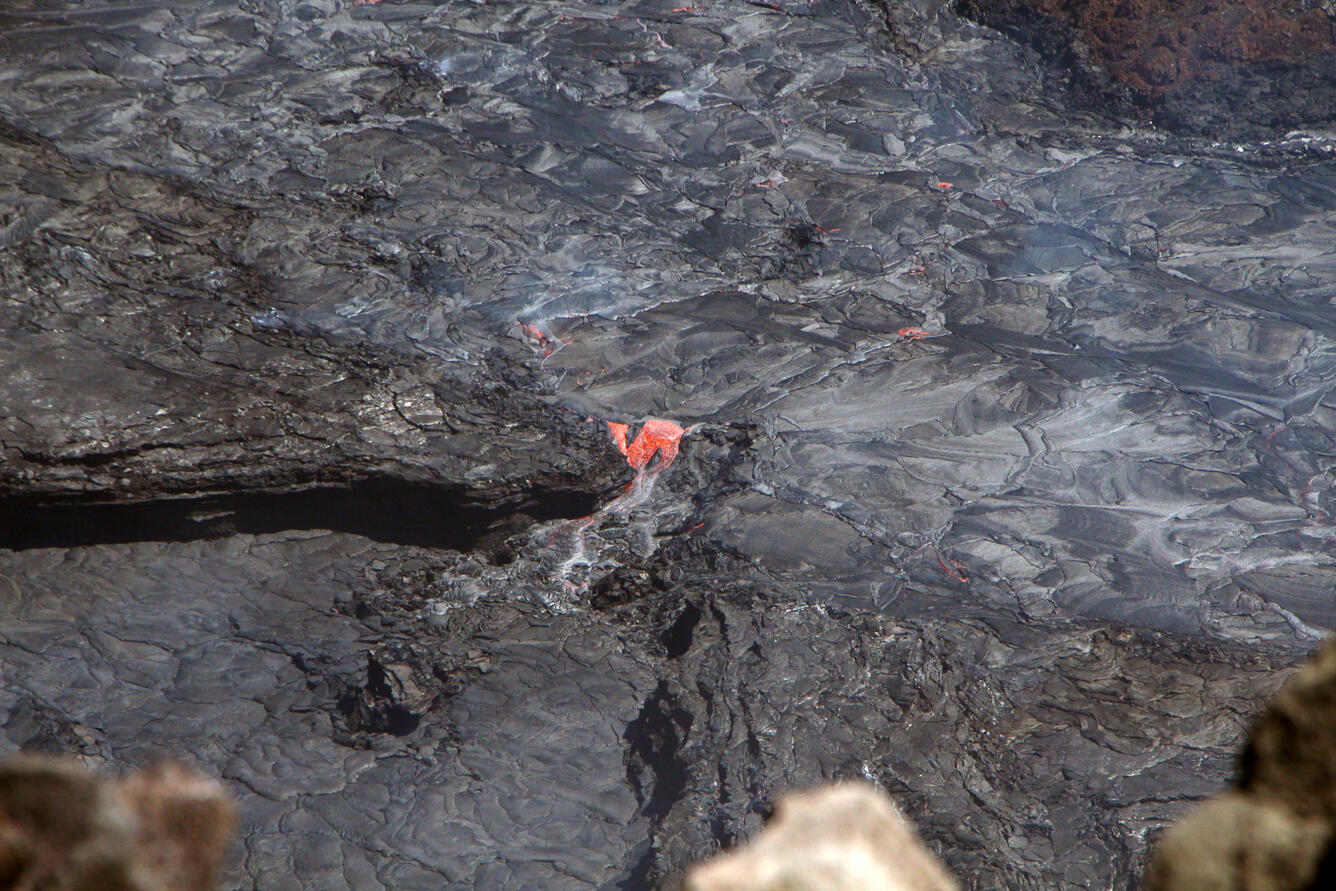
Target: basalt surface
[{"x": 1005, "y": 481}]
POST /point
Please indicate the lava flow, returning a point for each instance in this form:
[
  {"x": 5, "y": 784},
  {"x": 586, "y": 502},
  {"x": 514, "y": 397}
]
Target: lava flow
[
  {"x": 581, "y": 540},
  {"x": 663, "y": 437}
]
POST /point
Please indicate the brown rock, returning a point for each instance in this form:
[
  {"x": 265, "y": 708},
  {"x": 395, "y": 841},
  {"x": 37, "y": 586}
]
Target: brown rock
[
  {"x": 63, "y": 828},
  {"x": 1290, "y": 759},
  {"x": 184, "y": 823},
  {"x": 1158, "y": 45},
  {"x": 1237, "y": 842},
  {"x": 1276, "y": 832}
]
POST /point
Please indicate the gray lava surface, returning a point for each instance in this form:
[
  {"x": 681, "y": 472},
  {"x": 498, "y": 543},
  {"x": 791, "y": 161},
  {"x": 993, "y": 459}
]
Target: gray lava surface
[{"x": 1007, "y": 479}]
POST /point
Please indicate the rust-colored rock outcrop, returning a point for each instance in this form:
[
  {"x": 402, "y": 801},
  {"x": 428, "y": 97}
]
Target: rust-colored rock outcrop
[{"x": 1201, "y": 65}]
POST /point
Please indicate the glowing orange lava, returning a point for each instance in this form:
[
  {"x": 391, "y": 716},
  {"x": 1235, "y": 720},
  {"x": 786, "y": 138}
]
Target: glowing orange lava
[
  {"x": 913, "y": 333},
  {"x": 618, "y": 432},
  {"x": 540, "y": 339},
  {"x": 657, "y": 435}
]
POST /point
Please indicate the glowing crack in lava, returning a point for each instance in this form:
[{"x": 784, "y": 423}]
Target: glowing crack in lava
[{"x": 541, "y": 341}]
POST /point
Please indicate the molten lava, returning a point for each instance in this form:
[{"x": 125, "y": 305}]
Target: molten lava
[
  {"x": 663, "y": 437},
  {"x": 541, "y": 340}
]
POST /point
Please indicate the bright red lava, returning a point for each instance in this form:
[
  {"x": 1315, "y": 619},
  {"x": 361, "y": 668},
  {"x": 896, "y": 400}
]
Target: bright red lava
[
  {"x": 655, "y": 435},
  {"x": 913, "y": 333}
]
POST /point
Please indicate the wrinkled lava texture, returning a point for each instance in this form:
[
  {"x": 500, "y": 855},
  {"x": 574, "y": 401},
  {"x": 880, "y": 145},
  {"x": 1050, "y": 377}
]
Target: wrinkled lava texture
[{"x": 976, "y": 441}]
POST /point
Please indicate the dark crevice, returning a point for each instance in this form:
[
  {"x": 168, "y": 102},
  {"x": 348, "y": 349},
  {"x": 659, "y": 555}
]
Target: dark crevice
[
  {"x": 391, "y": 698},
  {"x": 677, "y": 639},
  {"x": 657, "y": 771},
  {"x": 642, "y": 869},
  {"x": 1326, "y": 870},
  {"x": 383, "y": 509},
  {"x": 37, "y": 726},
  {"x": 371, "y": 709}
]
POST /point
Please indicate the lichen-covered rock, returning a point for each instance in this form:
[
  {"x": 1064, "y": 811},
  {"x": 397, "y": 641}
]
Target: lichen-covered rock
[
  {"x": 844, "y": 836},
  {"x": 63, "y": 828}
]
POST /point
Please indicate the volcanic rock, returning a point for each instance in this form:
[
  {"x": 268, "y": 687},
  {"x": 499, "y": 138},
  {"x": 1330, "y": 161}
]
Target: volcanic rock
[
  {"x": 319, "y": 321},
  {"x": 1227, "y": 69}
]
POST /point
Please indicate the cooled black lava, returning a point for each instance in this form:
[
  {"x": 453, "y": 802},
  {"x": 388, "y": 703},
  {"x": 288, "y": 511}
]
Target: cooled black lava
[{"x": 1008, "y": 427}]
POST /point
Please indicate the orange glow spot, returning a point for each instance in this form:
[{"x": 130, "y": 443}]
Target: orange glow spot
[
  {"x": 656, "y": 436},
  {"x": 533, "y": 332},
  {"x": 618, "y": 432},
  {"x": 913, "y": 333},
  {"x": 943, "y": 185},
  {"x": 542, "y": 340}
]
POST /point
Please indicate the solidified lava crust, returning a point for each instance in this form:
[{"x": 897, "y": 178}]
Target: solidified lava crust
[{"x": 512, "y": 444}]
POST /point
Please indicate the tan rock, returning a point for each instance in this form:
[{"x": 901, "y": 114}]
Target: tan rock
[
  {"x": 846, "y": 836},
  {"x": 184, "y": 824},
  {"x": 1276, "y": 831},
  {"x": 1290, "y": 759}
]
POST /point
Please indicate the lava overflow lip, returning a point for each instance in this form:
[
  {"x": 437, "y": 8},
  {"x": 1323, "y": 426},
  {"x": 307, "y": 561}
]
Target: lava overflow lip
[{"x": 656, "y": 436}]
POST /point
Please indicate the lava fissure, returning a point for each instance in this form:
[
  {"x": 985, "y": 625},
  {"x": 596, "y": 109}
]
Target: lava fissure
[
  {"x": 383, "y": 509},
  {"x": 656, "y": 769},
  {"x": 677, "y": 640}
]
